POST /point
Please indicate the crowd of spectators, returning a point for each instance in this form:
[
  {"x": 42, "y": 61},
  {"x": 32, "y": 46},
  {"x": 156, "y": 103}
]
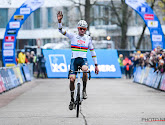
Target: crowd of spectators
[
  {"x": 37, "y": 61},
  {"x": 154, "y": 59}
]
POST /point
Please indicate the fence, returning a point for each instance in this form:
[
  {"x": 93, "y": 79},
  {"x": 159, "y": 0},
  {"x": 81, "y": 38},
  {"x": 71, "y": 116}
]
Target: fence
[
  {"x": 148, "y": 77},
  {"x": 13, "y": 77}
]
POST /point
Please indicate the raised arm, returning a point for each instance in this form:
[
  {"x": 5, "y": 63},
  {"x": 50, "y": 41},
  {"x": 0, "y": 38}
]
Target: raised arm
[
  {"x": 59, "y": 17},
  {"x": 93, "y": 54}
]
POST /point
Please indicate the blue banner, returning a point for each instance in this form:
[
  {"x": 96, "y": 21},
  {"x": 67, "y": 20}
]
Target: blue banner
[
  {"x": 26, "y": 73},
  {"x": 13, "y": 26},
  {"x": 151, "y": 20},
  {"x": 58, "y": 63}
]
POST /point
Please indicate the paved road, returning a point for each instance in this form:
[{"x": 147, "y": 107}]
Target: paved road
[{"x": 110, "y": 102}]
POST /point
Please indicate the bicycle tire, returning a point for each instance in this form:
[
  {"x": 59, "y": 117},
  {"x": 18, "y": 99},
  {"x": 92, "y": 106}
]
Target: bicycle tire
[{"x": 78, "y": 100}]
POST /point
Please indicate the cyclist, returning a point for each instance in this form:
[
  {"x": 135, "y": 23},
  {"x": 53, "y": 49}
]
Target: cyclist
[{"x": 80, "y": 43}]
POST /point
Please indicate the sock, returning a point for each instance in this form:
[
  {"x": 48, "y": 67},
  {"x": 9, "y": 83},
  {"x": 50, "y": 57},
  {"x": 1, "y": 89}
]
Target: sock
[
  {"x": 84, "y": 86},
  {"x": 72, "y": 95}
]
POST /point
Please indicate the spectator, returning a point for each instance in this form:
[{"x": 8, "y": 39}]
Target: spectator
[
  {"x": 41, "y": 66},
  {"x": 127, "y": 66},
  {"x": 21, "y": 57},
  {"x": 120, "y": 60},
  {"x": 33, "y": 59},
  {"x": 155, "y": 59},
  {"x": 27, "y": 60}
]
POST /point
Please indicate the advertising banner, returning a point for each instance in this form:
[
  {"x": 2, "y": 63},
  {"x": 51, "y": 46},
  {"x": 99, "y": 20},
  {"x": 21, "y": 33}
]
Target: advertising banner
[
  {"x": 4, "y": 79},
  {"x": 10, "y": 83},
  {"x": 30, "y": 67},
  {"x": 149, "y": 78},
  {"x": 142, "y": 75},
  {"x": 162, "y": 83},
  {"x": 150, "y": 19},
  {"x": 13, "y": 26},
  {"x": 58, "y": 63},
  {"x": 21, "y": 70},
  {"x": 154, "y": 77},
  {"x": 1, "y": 83},
  {"x": 147, "y": 69},
  {"x": 157, "y": 82},
  {"x": 13, "y": 78},
  {"x": 26, "y": 73},
  {"x": 18, "y": 74}
]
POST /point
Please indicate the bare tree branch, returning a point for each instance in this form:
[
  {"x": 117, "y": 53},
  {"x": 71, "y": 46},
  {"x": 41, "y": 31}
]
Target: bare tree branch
[{"x": 115, "y": 11}]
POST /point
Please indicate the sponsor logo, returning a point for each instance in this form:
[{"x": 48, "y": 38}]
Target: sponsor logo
[
  {"x": 11, "y": 31},
  {"x": 58, "y": 63},
  {"x": 9, "y": 38},
  {"x": 149, "y": 16},
  {"x": 10, "y": 64},
  {"x": 24, "y": 10},
  {"x": 8, "y": 53},
  {"x": 143, "y": 9},
  {"x": 14, "y": 25},
  {"x": 35, "y": 4},
  {"x": 133, "y": 1},
  {"x": 8, "y": 45},
  {"x": 81, "y": 42},
  {"x": 157, "y": 38},
  {"x": 103, "y": 68},
  {"x": 18, "y": 17},
  {"x": 153, "y": 24},
  {"x": 9, "y": 59},
  {"x": 155, "y": 31}
]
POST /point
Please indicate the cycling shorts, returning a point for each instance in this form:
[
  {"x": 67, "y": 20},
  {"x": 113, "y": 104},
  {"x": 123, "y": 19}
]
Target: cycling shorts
[{"x": 75, "y": 62}]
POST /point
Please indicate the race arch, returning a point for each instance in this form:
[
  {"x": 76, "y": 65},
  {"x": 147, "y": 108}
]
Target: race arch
[
  {"x": 13, "y": 26},
  {"x": 150, "y": 19}
]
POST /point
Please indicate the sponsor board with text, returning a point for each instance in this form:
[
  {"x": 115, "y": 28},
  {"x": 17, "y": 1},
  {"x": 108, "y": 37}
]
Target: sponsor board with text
[
  {"x": 24, "y": 10},
  {"x": 8, "y": 45},
  {"x": 58, "y": 63},
  {"x": 8, "y": 53},
  {"x": 18, "y": 17},
  {"x": 157, "y": 38},
  {"x": 9, "y": 38},
  {"x": 143, "y": 9},
  {"x": 149, "y": 17},
  {"x": 14, "y": 25},
  {"x": 11, "y": 31},
  {"x": 153, "y": 24}
]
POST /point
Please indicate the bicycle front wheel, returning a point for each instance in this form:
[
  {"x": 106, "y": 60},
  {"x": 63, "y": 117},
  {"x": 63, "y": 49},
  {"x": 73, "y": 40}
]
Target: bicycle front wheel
[{"x": 78, "y": 100}]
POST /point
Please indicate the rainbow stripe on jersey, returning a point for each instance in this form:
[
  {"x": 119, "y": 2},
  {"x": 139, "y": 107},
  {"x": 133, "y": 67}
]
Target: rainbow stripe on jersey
[{"x": 79, "y": 48}]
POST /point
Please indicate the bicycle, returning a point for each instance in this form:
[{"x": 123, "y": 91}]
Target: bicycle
[{"x": 78, "y": 90}]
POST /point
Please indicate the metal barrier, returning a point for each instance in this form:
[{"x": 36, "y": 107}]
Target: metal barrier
[
  {"x": 12, "y": 77},
  {"x": 147, "y": 76}
]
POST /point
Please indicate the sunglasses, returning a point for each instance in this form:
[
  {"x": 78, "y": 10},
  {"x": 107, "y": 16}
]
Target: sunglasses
[{"x": 82, "y": 28}]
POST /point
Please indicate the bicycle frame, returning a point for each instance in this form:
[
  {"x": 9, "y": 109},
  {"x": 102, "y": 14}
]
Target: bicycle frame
[{"x": 78, "y": 89}]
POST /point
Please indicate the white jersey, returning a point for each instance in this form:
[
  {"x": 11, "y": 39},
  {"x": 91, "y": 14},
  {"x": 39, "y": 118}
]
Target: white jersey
[{"x": 79, "y": 44}]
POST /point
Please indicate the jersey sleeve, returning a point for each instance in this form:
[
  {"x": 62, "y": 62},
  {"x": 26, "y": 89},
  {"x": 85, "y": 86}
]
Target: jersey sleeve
[
  {"x": 93, "y": 53},
  {"x": 69, "y": 35}
]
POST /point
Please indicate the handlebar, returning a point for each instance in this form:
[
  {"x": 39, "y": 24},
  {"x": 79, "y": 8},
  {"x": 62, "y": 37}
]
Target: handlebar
[{"x": 70, "y": 71}]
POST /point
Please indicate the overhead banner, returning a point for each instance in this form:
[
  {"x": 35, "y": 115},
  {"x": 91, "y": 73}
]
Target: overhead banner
[
  {"x": 150, "y": 19},
  {"x": 13, "y": 26},
  {"x": 58, "y": 63}
]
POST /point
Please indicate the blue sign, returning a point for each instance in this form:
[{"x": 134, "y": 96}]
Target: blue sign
[
  {"x": 150, "y": 19},
  {"x": 58, "y": 63},
  {"x": 13, "y": 26}
]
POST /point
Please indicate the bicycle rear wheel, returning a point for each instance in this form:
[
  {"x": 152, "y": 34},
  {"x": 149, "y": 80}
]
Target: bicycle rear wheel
[{"x": 78, "y": 100}]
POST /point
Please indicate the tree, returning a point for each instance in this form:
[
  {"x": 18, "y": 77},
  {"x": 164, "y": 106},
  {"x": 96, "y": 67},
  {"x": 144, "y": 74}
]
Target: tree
[
  {"x": 122, "y": 15},
  {"x": 144, "y": 27},
  {"x": 87, "y": 5}
]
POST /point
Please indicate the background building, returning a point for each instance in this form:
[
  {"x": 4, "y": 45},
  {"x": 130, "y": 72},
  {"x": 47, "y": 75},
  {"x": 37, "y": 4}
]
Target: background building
[{"x": 41, "y": 27}]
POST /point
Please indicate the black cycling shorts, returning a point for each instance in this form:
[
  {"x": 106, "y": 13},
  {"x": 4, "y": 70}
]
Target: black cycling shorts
[{"x": 77, "y": 62}]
